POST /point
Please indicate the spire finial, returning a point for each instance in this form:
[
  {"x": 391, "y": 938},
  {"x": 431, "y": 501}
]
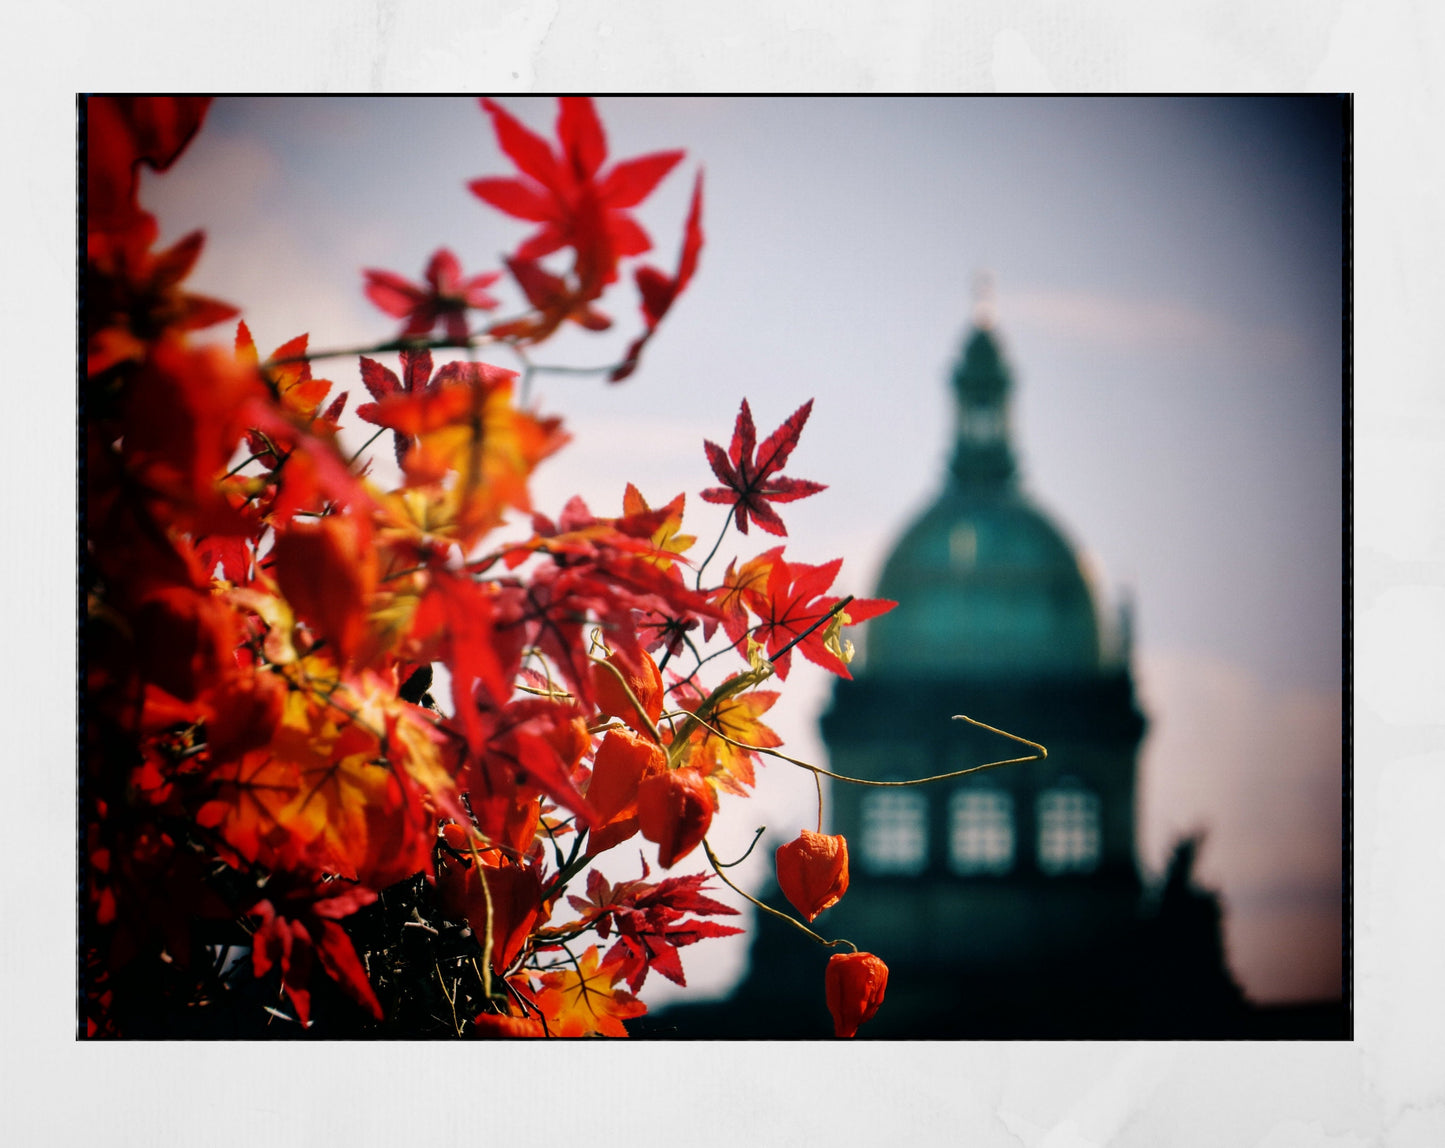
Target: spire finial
[{"x": 984, "y": 310}]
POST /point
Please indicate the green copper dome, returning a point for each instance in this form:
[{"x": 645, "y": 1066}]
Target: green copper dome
[{"x": 985, "y": 583}]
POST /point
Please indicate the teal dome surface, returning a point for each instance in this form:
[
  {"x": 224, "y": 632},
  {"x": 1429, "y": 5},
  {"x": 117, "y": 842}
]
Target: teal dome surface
[{"x": 985, "y": 583}]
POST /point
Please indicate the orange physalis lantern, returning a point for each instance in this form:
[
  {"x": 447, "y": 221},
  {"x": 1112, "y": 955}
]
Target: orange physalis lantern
[
  {"x": 674, "y": 809},
  {"x": 624, "y": 760},
  {"x": 494, "y": 1025},
  {"x": 813, "y": 871},
  {"x": 646, "y": 687},
  {"x": 854, "y": 983}
]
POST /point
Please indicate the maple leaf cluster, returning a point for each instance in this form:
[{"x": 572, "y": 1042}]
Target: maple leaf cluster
[{"x": 272, "y": 801}]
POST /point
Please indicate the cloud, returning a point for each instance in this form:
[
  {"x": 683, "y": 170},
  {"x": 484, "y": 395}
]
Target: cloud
[{"x": 1119, "y": 323}]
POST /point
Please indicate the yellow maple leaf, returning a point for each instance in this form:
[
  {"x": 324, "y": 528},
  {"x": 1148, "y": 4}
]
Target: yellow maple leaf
[
  {"x": 729, "y": 766},
  {"x": 581, "y": 1001},
  {"x": 665, "y": 539}
]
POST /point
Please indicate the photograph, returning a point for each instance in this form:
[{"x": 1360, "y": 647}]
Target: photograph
[{"x": 714, "y": 568}]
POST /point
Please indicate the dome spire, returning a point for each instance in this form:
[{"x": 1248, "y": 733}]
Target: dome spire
[
  {"x": 985, "y": 312},
  {"x": 981, "y": 381}
]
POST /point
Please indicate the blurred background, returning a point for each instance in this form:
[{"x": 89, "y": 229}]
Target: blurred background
[{"x": 1167, "y": 294}]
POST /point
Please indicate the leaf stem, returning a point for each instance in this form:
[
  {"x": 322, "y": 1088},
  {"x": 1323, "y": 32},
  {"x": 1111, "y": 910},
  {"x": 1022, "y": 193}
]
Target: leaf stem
[
  {"x": 487, "y": 898},
  {"x": 718, "y": 868},
  {"x": 713, "y": 552},
  {"x": 240, "y": 466},
  {"x": 379, "y": 432}
]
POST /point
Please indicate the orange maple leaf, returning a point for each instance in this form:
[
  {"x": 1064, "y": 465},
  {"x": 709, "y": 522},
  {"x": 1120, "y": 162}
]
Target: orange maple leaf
[
  {"x": 250, "y": 795},
  {"x": 465, "y": 424},
  {"x": 732, "y": 596},
  {"x": 298, "y": 392},
  {"x": 582, "y": 1000},
  {"x": 665, "y": 538},
  {"x": 727, "y": 766},
  {"x": 356, "y": 812}
]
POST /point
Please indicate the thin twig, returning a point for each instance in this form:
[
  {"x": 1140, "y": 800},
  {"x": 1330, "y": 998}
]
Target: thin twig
[
  {"x": 542, "y": 368},
  {"x": 718, "y": 869},
  {"x": 757, "y": 836},
  {"x": 379, "y": 432},
  {"x": 818, "y": 769},
  {"x": 382, "y": 349},
  {"x": 711, "y": 553},
  {"x": 837, "y": 607}
]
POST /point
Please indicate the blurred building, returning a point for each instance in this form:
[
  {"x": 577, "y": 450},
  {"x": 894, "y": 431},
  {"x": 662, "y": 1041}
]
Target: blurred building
[{"x": 1008, "y": 902}]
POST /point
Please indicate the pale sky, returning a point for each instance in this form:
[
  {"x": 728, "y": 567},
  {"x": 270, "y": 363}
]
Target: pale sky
[{"x": 1168, "y": 278}]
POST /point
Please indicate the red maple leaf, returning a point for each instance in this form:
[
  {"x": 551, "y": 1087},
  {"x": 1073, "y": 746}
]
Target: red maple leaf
[
  {"x": 730, "y": 597},
  {"x": 578, "y": 204},
  {"x": 749, "y": 473},
  {"x": 649, "y": 920},
  {"x": 457, "y": 615},
  {"x": 554, "y": 300},
  {"x": 602, "y": 568},
  {"x": 134, "y": 295},
  {"x": 444, "y": 298},
  {"x": 121, "y": 133},
  {"x": 660, "y": 291},
  {"x": 507, "y": 908},
  {"x": 529, "y": 743},
  {"x": 793, "y": 602},
  {"x": 381, "y": 382},
  {"x": 298, "y": 393},
  {"x": 298, "y": 922}
]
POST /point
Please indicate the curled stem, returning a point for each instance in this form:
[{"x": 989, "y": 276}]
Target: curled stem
[
  {"x": 718, "y": 867},
  {"x": 757, "y": 836},
  {"x": 1039, "y": 756},
  {"x": 818, "y": 769}
]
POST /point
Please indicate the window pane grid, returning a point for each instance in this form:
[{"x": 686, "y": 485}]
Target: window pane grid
[
  {"x": 895, "y": 833},
  {"x": 1069, "y": 838},
  {"x": 981, "y": 832}
]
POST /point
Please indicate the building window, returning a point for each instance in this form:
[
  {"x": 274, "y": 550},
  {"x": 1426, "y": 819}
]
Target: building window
[
  {"x": 981, "y": 831},
  {"x": 895, "y": 832},
  {"x": 982, "y": 424},
  {"x": 963, "y": 546},
  {"x": 1069, "y": 835}
]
